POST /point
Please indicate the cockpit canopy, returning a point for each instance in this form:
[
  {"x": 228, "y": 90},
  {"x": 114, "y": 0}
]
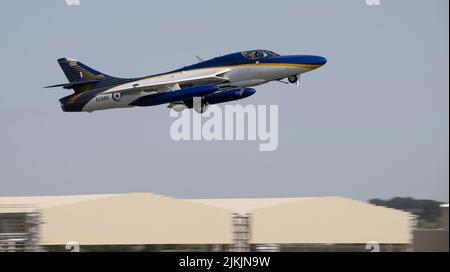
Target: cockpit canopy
[{"x": 258, "y": 54}]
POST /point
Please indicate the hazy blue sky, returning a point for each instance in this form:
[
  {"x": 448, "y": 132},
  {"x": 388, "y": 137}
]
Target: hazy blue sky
[{"x": 373, "y": 122}]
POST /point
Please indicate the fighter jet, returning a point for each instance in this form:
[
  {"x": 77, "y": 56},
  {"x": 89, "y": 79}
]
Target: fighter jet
[{"x": 221, "y": 79}]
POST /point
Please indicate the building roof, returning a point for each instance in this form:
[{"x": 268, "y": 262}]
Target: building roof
[
  {"x": 327, "y": 220},
  {"x": 13, "y": 204},
  {"x": 245, "y": 205},
  {"x": 144, "y": 218},
  {"x": 135, "y": 218},
  {"x": 331, "y": 220}
]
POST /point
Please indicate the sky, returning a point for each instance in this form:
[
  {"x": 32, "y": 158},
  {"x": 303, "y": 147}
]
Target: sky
[{"x": 372, "y": 123}]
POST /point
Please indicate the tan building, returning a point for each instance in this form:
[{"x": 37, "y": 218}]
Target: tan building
[
  {"x": 124, "y": 219},
  {"x": 321, "y": 223},
  {"x": 286, "y": 224}
]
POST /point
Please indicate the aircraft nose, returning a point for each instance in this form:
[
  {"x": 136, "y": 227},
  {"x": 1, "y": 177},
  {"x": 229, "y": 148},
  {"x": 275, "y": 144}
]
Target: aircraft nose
[
  {"x": 320, "y": 60},
  {"x": 312, "y": 60}
]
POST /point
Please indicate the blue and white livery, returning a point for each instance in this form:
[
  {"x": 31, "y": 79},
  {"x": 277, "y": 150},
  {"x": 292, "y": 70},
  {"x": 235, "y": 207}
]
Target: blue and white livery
[{"x": 221, "y": 79}]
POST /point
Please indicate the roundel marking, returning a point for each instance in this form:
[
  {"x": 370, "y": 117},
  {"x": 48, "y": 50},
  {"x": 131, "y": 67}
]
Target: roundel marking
[{"x": 116, "y": 96}]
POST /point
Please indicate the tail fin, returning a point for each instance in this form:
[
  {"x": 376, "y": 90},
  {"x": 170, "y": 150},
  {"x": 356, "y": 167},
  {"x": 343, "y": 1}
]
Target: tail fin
[
  {"x": 83, "y": 78},
  {"x": 76, "y": 71}
]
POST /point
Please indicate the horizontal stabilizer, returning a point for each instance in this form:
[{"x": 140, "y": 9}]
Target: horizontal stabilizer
[{"x": 72, "y": 85}]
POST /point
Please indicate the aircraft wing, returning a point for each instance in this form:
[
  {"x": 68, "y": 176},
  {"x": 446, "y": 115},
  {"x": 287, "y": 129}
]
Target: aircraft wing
[{"x": 165, "y": 82}]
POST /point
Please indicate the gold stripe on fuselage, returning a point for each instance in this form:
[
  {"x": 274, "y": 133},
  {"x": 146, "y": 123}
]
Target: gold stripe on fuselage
[
  {"x": 75, "y": 96},
  {"x": 307, "y": 66}
]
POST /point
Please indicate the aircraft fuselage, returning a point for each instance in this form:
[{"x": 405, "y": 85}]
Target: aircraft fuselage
[{"x": 238, "y": 71}]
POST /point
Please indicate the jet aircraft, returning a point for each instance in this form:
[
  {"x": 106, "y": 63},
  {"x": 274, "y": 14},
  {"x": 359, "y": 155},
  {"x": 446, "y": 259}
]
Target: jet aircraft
[{"x": 221, "y": 79}]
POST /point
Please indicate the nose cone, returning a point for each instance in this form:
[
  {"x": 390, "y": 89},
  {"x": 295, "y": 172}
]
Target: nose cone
[
  {"x": 311, "y": 60},
  {"x": 305, "y": 61},
  {"x": 320, "y": 60}
]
